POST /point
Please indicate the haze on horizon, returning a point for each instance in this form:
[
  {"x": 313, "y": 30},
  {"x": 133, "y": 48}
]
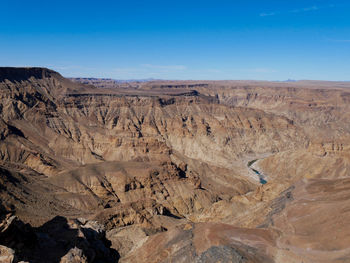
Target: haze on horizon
[{"x": 259, "y": 40}]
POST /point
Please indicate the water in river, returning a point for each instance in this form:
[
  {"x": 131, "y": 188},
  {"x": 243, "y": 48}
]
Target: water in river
[{"x": 261, "y": 176}]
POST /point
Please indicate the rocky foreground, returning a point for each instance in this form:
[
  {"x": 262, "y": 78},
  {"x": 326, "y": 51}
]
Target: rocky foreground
[{"x": 167, "y": 171}]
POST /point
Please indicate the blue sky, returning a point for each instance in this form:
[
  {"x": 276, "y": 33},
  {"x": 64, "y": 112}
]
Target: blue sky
[{"x": 263, "y": 40}]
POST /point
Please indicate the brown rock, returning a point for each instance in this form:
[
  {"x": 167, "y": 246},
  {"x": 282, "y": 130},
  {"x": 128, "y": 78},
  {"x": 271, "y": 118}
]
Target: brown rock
[
  {"x": 75, "y": 255},
  {"x": 7, "y": 255}
]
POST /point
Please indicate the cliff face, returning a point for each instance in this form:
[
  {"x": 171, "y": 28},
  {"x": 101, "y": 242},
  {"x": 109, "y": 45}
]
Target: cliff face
[
  {"x": 22, "y": 74},
  {"x": 154, "y": 160}
]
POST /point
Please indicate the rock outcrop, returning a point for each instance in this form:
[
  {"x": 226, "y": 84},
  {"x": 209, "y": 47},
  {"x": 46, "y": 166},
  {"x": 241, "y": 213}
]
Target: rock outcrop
[{"x": 59, "y": 240}]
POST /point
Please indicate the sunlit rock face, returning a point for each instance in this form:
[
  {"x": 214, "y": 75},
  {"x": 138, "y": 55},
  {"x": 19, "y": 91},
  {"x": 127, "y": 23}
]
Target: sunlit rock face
[{"x": 172, "y": 170}]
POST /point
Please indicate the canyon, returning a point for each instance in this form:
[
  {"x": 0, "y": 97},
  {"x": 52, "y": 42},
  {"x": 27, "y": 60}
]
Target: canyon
[{"x": 173, "y": 171}]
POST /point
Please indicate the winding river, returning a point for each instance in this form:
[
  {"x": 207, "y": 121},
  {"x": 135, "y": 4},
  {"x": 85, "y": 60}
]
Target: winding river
[{"x": 262, "y": 178}]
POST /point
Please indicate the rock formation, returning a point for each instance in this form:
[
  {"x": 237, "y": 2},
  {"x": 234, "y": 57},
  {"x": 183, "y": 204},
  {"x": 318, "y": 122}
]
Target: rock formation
[{"x": 164, "y": 171}]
